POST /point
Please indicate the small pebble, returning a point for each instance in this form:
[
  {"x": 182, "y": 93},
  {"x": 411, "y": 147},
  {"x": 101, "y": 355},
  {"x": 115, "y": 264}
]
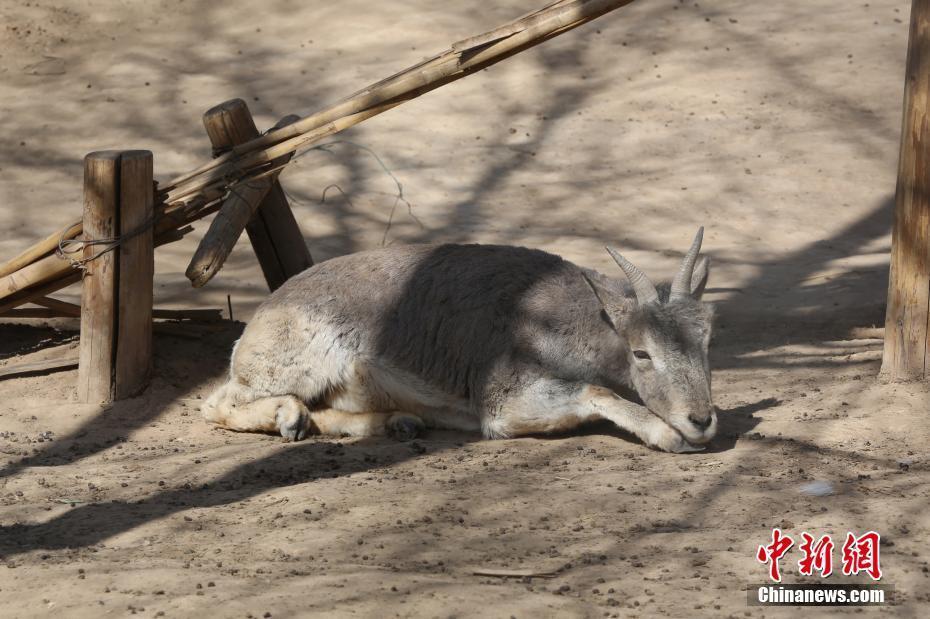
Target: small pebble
[{"x": 817, "y": 488}]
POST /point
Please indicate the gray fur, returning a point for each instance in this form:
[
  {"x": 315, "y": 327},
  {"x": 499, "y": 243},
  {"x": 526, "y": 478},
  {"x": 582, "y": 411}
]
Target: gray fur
[{"x": 506, "y": 339}]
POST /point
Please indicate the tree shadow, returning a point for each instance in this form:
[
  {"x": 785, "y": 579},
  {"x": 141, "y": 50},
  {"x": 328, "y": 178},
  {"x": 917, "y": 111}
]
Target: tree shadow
[
  {"x": 22, "y": 339},
  {"x": 302, "y": 462},
  {"x": 791, "y": 303},
  {"x": 800, "y": 298},
  {"x": 184, "y": 360}
]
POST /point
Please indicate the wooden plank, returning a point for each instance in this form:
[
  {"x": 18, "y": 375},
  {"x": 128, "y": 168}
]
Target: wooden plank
[
  {"x": 273, "y": 230},
  {"x": 907, "y": 341},
  {"x": 136, "y": 262},
  {"x": 35, "y": 312},
  {"x": 34, "y": 367},
  {"x": 199, "y": 315},
  {"x": 65, "y": 308},
  {"x": 29, "y": 295},
  {"x": 202, "y": 315},
  {"x": 99, "y": 290}
]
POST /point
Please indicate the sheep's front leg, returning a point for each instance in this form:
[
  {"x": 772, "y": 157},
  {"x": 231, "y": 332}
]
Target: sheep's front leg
[
  {"x": 636, "y": 419},
  {"x": 236, "y": 407},
  {"x": 549, "y": 405}
]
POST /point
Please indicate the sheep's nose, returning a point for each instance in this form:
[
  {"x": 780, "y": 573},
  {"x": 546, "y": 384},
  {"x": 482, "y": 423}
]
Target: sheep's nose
[{"x": 702, "y": 423}]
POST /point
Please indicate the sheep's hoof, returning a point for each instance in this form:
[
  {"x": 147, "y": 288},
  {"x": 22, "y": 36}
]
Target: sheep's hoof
[
  {"x": 405, "y": 427},
  {"x": 293, "y": 422},
  {"x": 686, "y": 447}
]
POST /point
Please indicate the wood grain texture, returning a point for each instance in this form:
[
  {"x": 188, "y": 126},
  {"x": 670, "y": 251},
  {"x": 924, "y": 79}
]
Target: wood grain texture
[
  {"x": 99, "y": 289},
  {"x": 136, "y": 262},
  {"x": 272, "y": 229},
  {"x": 907, "y": 340}
]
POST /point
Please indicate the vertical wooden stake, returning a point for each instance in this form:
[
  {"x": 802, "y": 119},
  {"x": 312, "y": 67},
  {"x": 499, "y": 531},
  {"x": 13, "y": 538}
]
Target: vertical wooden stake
[
  {"x": 136, "y": 273},
  {"x": 273, "y": 231},
  {"x": 98, "y": 288},
  {"x": 116, "y": 298},
  {"x": 907, "y": 341}
]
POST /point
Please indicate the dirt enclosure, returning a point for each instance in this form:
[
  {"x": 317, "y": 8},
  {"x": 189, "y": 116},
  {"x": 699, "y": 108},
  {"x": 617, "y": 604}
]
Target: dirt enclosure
[{"x": 775, "y": 125}]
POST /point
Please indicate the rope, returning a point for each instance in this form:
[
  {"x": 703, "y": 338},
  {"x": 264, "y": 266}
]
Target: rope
[{"x": 68, "y": 247}]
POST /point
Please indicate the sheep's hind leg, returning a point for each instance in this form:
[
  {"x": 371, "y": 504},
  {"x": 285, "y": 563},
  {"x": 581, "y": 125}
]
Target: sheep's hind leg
[{"x": 334, "y": 422}]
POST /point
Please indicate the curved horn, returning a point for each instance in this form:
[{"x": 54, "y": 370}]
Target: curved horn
[
  {"x": 681, "y": 285},
  {"x": 644, "y": 289}
]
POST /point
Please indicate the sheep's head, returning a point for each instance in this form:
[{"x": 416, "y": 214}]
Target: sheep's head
[{"x": 666, "y": 332}]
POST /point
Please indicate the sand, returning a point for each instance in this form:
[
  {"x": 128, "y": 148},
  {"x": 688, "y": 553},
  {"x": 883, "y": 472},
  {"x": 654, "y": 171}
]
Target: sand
[{"x": 775, "y": 125}]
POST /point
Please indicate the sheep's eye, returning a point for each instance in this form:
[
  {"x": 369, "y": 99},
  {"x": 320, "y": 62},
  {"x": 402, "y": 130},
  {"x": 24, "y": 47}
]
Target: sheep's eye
[{"x": 641, "y": 354}]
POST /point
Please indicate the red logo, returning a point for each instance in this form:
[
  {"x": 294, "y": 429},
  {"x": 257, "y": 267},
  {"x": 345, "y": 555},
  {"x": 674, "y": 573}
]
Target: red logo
[
  {"x": 773, "y": 552},
  {"x": 860, "y": 554},
  {"x": 817, "y": 556}
]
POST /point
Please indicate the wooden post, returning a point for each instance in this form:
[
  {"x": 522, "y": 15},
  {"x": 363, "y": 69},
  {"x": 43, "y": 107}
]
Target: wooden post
[
  {"x": 273, "y": 231},
  {"x": 907, "y": 341},
  {"x": 116, "y": 297},
  {"x": 238, "y": 209}
]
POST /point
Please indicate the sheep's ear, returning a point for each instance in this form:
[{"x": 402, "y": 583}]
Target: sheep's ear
[
  {"x": 699, "y": 277},
  {"x": 613, "y": 307}
]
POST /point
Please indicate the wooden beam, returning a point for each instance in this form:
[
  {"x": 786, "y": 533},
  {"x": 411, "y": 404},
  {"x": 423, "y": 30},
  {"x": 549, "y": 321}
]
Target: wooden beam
[
  {"x": 907, "y": 340},
  {"x": 68, "y": 310},
  {"x": 63, "y": 307},
  {"x": 272, "y": 229},
  {"x": 29, "y": 295},
  {"x": 35, "y": 312},
  {"x": 201, "y": 315}
]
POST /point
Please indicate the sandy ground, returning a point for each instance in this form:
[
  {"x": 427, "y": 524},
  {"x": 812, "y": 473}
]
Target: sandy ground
[{"x": 774, "y": 124}]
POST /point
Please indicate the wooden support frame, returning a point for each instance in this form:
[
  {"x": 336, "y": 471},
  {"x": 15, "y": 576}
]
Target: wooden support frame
[
  {"x": 907, "y": 321},
  {"x": 275, "y": 235},
  {"x": 116, "y": 296},
  {"x": 196, "y": 194}
]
